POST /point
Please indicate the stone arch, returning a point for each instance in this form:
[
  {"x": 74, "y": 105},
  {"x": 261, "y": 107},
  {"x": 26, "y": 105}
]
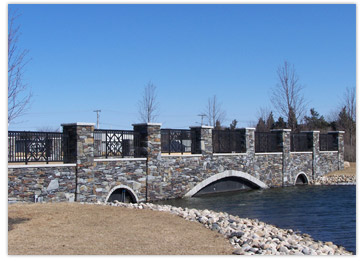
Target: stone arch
[
  {"x": 225, "y": 174},
  {"x": 127, "y": 189},
  {"x": 301, "y": 178}
]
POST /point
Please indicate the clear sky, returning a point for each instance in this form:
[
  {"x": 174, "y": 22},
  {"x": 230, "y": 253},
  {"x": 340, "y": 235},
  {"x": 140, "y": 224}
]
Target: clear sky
[{"x": 88, "y": 57}]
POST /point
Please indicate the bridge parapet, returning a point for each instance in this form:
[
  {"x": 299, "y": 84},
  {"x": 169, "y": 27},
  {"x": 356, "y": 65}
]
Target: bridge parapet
[{"x": 151, "y": 176}]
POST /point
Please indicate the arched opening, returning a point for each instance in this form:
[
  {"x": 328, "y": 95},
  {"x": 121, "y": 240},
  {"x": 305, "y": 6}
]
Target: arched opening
[
  {"x": 226, "y": 185},
  {"x": 301, "y": 179},
  {"x": 122, "y": 195},
  {"x": 229, "y": 180}
]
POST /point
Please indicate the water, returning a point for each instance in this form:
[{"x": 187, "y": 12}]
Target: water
[{"x": 327, "y": 213}]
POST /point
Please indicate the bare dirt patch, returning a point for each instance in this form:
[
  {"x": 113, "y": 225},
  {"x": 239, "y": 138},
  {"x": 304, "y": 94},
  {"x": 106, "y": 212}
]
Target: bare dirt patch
[
  {"x": 351, "y": 171},
  {"x": 77, "y": 229}
]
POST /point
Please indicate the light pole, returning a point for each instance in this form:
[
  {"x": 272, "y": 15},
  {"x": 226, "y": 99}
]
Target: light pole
[
  {"x": 202, "y": 115},
  {"x": 98, "y": 117}
]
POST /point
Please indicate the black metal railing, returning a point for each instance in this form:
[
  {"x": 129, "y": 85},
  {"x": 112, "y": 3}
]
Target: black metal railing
[
  {"x": 301, "y": 142},
  {"x": 268, "y": 142},
  {"x": 31, "y": 146},
  {"x": 328, "y": 142},
  {"x": 228, "y": 141},
  {"x": 115, "y": 143},
  {"x": 176, "y": 141}
]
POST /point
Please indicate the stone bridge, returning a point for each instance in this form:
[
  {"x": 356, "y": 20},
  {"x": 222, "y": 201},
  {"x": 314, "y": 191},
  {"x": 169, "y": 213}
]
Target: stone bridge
[{"x": 151, "y": 176}]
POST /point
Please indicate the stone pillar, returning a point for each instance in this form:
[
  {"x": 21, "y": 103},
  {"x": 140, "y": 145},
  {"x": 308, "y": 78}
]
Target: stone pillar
[
  {"x": 80, "y": 144},
  {"x": 314, "y": 139},
  {"x": 150, "y": 147},
  {"x": 201, "y": 140},
  {"x": 286, "y": 156},
  {"x": 250, "y": 148},
  {"x": 340, "y": 146}
]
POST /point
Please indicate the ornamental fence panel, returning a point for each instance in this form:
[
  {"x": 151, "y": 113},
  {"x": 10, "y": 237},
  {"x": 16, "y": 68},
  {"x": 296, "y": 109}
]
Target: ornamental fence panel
[
  {"x": 228, "y": 141},
  {"x": 328, "y": 142},
  {"x": 176, "y": 141},
  {"x": 32, "y": 146},
  {"x": 115, "y": 143},
  {"x": 268, "y": 142},
  {"x": 301, "y": 142}
]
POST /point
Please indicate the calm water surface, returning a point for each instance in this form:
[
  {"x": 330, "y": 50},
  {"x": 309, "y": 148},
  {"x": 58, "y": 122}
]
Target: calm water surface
[{"x": 327, "y": 213}]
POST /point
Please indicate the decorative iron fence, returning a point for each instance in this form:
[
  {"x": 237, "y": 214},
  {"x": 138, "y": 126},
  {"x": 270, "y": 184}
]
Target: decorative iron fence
[
  {"x": 30, "y": 146},
  {"x": 301, "y": 142},
  {"x": 176, "y": 141},
  {"x": 115, "y": 143},
  {"x": 228, "y": 141},
  {"x": 328, "y": 142},
  {"x": 268, "y": 142}
]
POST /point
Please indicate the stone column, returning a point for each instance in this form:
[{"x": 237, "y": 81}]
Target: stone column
[
  {"x": 340, "y": 146},
  {"x": 80, "y": 144},
  {"x": 286, "y": 156},
  {"x": 250, "y": 148},
  {"x": 201, "y": 140},
  {"x": 150, "y": 148},
  {"x": 314, "y": 138}
]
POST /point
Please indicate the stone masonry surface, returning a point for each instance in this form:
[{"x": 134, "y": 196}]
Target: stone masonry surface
[
  {"x": 152, "y": 176},
  {"x": 37, "y": 184}
]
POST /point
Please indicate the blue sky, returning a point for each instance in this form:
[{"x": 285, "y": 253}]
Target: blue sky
[{"x": 88, "y": 57}]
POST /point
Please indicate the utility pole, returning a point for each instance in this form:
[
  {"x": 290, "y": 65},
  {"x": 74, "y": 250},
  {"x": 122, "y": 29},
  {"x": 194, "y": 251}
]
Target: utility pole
[
  {"x": 202, "y": 115},
  {"x": 98, "y": 117}
]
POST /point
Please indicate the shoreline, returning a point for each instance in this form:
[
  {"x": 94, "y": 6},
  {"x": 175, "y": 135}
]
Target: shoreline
[{"x": 248, "y": 236}]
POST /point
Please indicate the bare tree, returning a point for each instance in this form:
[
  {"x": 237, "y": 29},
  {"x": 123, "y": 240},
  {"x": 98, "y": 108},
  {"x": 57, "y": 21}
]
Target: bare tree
[
  {"x": 263, "y": 113},
  {"x": 287, "y": 96},
  {"x": 18, "y": 93},
  {"x": 148, "y": 105},
  {"x": 48, "y": 129},
  {"x": 350, "y": 102},
  {"x": 214, "y": 112}
]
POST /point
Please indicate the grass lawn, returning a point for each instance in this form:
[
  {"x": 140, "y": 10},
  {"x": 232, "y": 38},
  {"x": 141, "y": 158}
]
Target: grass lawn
[
  {"x": 76, "y": 229},
  {"x": 351, "y": 171}
]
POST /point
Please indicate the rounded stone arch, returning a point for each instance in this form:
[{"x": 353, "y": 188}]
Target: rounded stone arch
[
  {"x": 222, "y": 175},
  {"x": 301, "y": 179},
  {"x": 120, "y": 188}
]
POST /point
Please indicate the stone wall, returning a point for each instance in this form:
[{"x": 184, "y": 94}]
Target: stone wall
[
  {"x": 268, "y": 168},
  {"x": 327, "y": 162},
  {"x": 37, "y": 183},
  {"x": 153, "y": 176},
  {"x": 108, "y": 174},
  {"x": 300, "y": 162}
]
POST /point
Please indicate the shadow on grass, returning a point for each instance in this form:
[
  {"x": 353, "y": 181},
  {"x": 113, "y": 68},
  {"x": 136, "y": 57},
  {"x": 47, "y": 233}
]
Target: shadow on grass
[{"x": 14, "y": 221}]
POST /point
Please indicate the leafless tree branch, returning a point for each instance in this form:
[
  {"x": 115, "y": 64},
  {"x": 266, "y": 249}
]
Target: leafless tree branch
[
  {"x": 288, "y": 92},
  {"x": 148, "y": 105},
  {"x": 19, "y": 94},
  {"x": 214, "y": 112}
]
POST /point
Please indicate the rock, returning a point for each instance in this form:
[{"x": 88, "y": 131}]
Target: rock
[
  {"x": 306, "y": 251},
  {"x": 283, "y": 249},
  {"x": 346, "y": 164},
  {"x": 236, "y": 234},
  {"x": 238, "y": 251},
  {"x": 53, "y": 185},
  {"x": 215, "y": 226},
  {"x": 255, "y": 243},
  {"x": 260, "y": 233},
  {"x": 203, "y": 220}
]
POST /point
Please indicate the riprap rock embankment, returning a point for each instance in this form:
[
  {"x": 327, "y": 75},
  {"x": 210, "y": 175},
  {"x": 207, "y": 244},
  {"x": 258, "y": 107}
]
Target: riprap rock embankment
[{"x": 249, "y": 237}]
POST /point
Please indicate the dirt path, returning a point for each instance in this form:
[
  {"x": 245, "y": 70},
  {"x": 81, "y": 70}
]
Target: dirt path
[{"x": 76, "y": 229}]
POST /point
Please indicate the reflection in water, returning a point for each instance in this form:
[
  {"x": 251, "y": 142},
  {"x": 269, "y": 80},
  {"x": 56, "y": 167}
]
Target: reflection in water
[{"x": 327, "y": 213}]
